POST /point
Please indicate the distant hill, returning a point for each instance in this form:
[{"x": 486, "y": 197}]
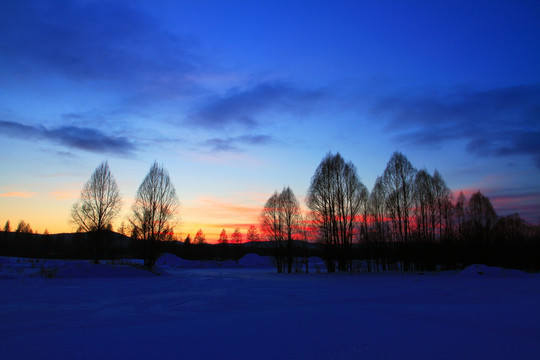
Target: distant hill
[{"x": 115, "y": 245}]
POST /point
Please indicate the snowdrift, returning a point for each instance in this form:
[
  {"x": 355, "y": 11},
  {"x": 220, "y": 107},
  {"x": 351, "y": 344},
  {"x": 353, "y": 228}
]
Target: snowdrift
[
  {"x": 255, "y": 261},
  {"x": 477, "y": 270},
  {"x": 252, "y": 261}
]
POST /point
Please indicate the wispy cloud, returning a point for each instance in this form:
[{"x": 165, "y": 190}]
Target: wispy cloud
[
  {"x": 18, "y": 194},
  {"x": 244, "y": 106},
  {"x": 234, "y": 144},
  {"x": 65, "y": 194},
  {"x": 81, "y": 138},
  {"x": 497, "y": 122}
]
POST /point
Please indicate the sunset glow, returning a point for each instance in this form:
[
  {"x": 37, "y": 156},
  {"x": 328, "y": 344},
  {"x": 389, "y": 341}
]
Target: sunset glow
[{"x": 240, "y": 100}]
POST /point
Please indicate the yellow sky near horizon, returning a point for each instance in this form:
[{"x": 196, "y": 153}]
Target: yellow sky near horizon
[{"x": 51, "y": 211}]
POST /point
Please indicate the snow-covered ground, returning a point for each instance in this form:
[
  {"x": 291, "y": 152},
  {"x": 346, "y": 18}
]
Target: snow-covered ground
[{"x": 243, "y": 310}]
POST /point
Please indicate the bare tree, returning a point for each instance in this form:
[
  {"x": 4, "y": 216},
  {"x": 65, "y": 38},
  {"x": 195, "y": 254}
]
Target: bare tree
[
  {"x": 460, "y": 215},
  {"x": 99, "y": 204},
  {"x": 398, "y": 179},
  {"x": 292, "y": 218},
  {"x": 380, "y": 228},
  {"x": 441, "y": 196},
  {"x": 280, "y": 220},
  {"x": 336, "y": 198},
  {"x": 481, "y": 216},
  {"x": 272, "y": 226},
  {"x": 153, "y": 212},
  {"x": 424, "y": 205}
]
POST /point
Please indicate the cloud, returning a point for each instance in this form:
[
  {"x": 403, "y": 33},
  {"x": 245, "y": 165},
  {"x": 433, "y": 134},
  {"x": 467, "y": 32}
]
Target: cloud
[
  {"x": 65, "y": 194},
  {"x": 18, "y": 194},
  {"x": 96, "y": 41},
  {"x": 498, "y": 122},
  {"x": 244, "y": 106},
  {"x": 81, "y": 138},
  {"x": 233, "y": 144}
]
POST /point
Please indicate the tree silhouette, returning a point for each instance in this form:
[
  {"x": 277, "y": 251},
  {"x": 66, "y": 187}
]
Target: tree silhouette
[
  {"x": 200, "y": 238},
  {"x": 154, "y": 209},
  {"x": 223, "y": 238},
  {"x": 272, "y": 226},
  {"x": 23, "y": 228},
  {"x": 398, "y": 178},
  {"x": 99, "y": 204},
  {"x": 377, "y": 211},
  {"x": 336, "y": 198},
  {"x": 481, "y": 218},
  {"x": 236, "y": 237},
  {"x": 459, "y": 214},
  {"x": 7, "y": 226},
  {"x": 292, "y": 219},
  {"x": 442, "y": 195},
  {"x": 424, "y": 199},
  {"x": 252, "y": 235}
]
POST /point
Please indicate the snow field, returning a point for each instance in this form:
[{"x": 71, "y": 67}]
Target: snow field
[{"x": 251, "y": 312}]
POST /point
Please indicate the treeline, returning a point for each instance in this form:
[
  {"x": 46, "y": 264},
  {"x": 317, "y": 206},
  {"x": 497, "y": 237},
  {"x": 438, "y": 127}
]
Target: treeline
[
  {"x": 117, "y": 246},
  {"x": 409, "y": 221}
]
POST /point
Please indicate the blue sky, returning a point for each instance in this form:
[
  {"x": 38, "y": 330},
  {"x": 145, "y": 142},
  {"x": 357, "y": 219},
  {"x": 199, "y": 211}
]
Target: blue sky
[{"x": 238, "y": 99}]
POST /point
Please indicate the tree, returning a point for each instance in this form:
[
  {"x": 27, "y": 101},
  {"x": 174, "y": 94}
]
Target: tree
[
  {"x": 236, "y": 237},
  {"x": 292, "y": 219},
  {"x": 122, "y": 229},
  {"x": 200, "y": 238},
  {"x": 271, "y": 221},
  {"x": 424, "y": 198},
  {"x": 442, "y": 196},
  {"x": 223, "y": 238},
  {"x": 280, "y": 220},
  {"x": 336, "y": 198},
  {"x": 7, "y": 227},
  {"x": 153, "y": 212},
  {"x": 481, "y": 215},
  {"x": 99, "y": 204},
  {"x": 460, "y": 215},
  {"x": 23, "y": 228},
  {"x": 378, "y": 213},
  {"x": 252, "y": 235},
  {"x": 398, "y": 179}
]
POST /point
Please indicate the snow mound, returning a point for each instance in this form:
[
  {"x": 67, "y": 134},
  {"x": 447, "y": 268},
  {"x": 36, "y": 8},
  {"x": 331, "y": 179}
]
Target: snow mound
[
  {"x": 491, "y": 271},
  {"x": 255, "y": 261},
  {"x": 168, "y": 259},
  {"x": 87, "y": 270}
]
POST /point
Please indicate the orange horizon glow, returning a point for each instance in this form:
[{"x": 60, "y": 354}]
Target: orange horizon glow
[{"x": 51, "y": 212}]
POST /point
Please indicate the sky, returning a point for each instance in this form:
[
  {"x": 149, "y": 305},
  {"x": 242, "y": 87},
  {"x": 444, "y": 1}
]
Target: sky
[{"x": 239, "y": 99}]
